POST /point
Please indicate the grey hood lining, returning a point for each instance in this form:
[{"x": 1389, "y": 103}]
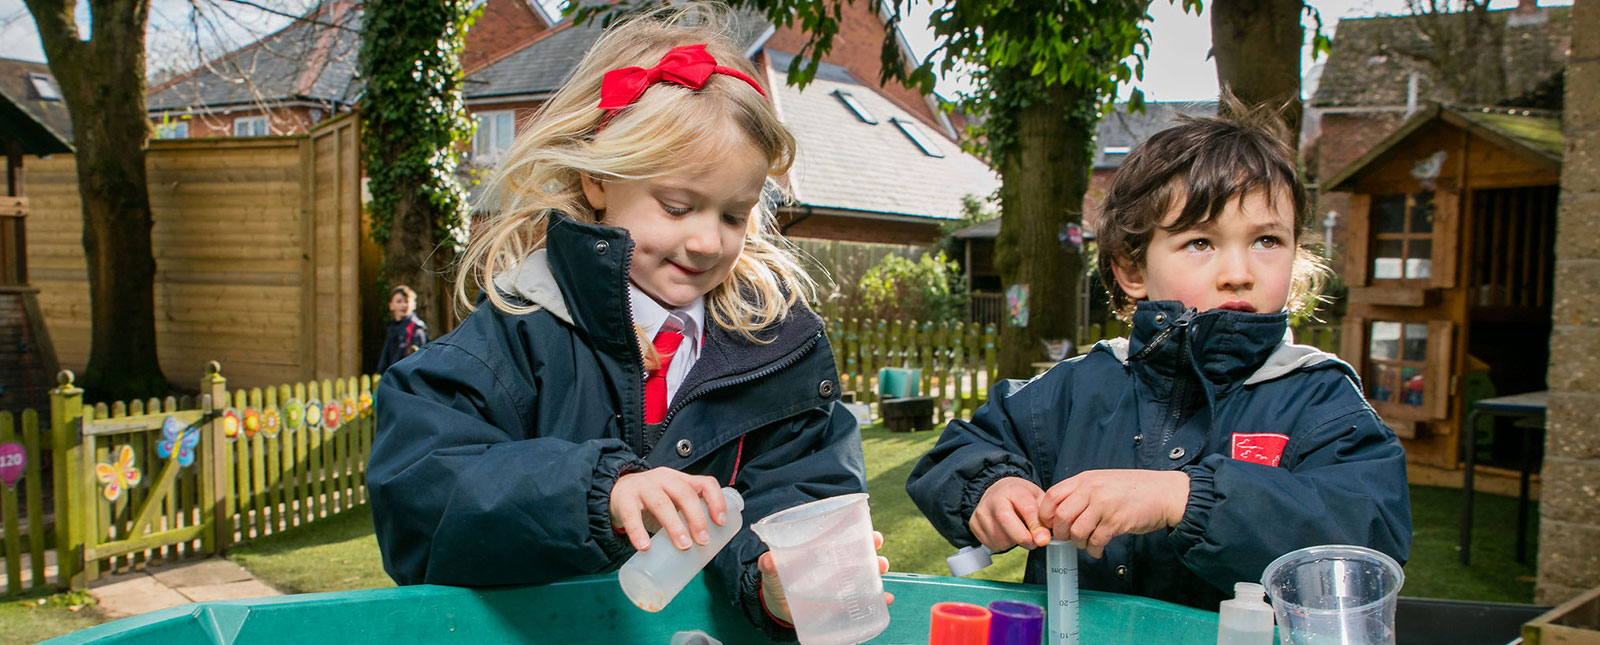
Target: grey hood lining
[
  {"x": 533, "y": 281},
  {"x": 1285, "y": 359}
]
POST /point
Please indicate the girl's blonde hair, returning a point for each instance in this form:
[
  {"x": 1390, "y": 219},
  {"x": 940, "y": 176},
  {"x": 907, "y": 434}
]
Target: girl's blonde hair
[{"x": 654, "y": 136}]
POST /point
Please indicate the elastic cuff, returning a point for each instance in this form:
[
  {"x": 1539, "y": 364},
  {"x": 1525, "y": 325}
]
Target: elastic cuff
[
  {"x": 611, "y": 466},
  {"x": 762, "y": 597},
  {"x": 977, "y": 486},
  {"x": 1202, "y": 498},
  {"x": 756, "y": 610}
]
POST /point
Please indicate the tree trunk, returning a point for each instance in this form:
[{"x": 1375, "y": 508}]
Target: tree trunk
[
  {"x": 413, "y": 259},
  {"x": 1256, "y": 44},
  {"x": 1043, "y": 180},
  {"x": 102, "y": 83}
]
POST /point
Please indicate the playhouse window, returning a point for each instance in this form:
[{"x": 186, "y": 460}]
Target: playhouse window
[
  {"x": 1397, "y": 354},
  {"x": 1403, "y": 236}
]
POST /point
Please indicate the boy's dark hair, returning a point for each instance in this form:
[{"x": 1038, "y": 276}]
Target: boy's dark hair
[
  {"x": 411, "y": 295},
  {"x": 1207, "y": 162}
]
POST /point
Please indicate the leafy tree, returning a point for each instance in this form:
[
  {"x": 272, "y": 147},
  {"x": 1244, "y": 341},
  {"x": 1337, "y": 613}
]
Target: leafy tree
[
  {"x": 1041, "y": 71},
  {"x": 930, "y": 288},
  {"x": 102, "y": 81},
  {"x": 414, "y": 125}
]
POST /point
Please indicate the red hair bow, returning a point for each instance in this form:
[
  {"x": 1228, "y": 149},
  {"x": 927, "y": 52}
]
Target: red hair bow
[{"x": 689, "y": 66}]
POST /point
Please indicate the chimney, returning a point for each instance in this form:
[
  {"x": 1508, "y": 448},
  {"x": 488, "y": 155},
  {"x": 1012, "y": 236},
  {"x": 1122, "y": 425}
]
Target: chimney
[{"x": 1527, "y": 6}]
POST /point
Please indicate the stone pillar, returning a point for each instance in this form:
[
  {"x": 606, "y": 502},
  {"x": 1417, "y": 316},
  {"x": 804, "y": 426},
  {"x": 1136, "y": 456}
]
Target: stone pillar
[{"x": 1569, "y": 528}]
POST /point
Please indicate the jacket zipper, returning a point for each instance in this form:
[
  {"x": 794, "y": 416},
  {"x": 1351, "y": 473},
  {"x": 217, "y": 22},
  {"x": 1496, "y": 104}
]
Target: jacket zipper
[
  {"x": 1182, "y": 320},
  {"x": 792, "y": 358},
  {"x": 633, "y": 338}
]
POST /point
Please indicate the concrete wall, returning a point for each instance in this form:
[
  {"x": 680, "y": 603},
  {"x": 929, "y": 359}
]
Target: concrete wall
[{"x": 1569, "y": 526}]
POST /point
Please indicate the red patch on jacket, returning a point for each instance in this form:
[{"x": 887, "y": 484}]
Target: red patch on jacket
[{"x": 1263, "y": 448}]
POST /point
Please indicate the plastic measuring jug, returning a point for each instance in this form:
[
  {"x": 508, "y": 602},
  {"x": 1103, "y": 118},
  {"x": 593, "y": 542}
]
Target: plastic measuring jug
[
  {"x": 652, "y": 578},
  {"x": 829, "y": 569},
  {"x": 1334, "y": 593}
]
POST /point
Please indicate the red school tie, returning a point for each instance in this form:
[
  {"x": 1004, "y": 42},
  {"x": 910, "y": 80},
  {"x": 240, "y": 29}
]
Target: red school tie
[{"x": 655, "y": 382}]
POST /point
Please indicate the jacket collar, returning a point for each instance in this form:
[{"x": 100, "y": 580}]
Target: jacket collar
[
  {"x": 581, "y": 277},
  {"x": 1223, "y": 348}
]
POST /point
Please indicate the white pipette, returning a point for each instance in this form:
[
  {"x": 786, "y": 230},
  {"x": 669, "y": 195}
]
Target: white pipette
[{"x": 1061, "y": 584}]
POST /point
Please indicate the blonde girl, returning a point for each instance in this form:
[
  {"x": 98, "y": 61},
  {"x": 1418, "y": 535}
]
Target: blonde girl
[{"x": 641, "y": 339}]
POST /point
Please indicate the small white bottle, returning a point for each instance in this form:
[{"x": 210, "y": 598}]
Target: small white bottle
[
  {"x": 652, "y": 578},
  {"x": 1247, "y": 619}
]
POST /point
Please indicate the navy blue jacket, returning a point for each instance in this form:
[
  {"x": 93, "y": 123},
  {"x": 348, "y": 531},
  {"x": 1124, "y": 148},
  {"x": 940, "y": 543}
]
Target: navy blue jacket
[
  {"x": 1281, "y": 449},
  {"x": 497, "y": 444},
  {"x": 405, "y": 336}
]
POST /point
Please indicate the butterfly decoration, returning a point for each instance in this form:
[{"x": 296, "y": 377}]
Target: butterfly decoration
[
  {"x": 330, "y": 416},
  {"x": 252, "y": 423},
  {"x": 230, "y": 424},
  {"x": 293, "y": 415},
  {"x": 313, "y": 413},
  {"x": 364, "y": 404},
  {"x": 271, "y": 423},
  {"x": 119, "y": 475},
  {"x": 178, "y": 441},
  {"x": 347, "y": 408}
]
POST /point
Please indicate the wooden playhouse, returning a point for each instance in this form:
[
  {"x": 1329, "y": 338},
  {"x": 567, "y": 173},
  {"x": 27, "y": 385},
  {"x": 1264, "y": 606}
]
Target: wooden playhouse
[{"x": 1450, "y": 262}]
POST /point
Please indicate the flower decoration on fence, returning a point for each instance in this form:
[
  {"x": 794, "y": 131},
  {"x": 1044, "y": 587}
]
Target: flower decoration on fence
[
  {"x": 178, "y": 441},
  {"x": 365, "y": 404},
  {"x": 331, "y": 416},
  {"x": 13, "y": 463},
  {"x": 119, "y": 475},
  {"x": 230, "y": 424},
  {"x": 293, "y": 415},
  {"x": 271, "y": 423},
  {"x": 313, "y": 413},
  {"x": 347, "y": 408},
  {"x": 252, "y": 423}
]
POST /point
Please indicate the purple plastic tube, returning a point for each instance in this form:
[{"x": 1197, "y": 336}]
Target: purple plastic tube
[{"x": 1015, "y": 623}]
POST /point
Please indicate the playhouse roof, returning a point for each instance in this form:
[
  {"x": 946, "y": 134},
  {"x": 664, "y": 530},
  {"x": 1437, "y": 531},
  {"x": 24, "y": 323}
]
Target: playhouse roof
[
  {"x": 1532, "y": 135},
  {"x": 31, "y": 108}
]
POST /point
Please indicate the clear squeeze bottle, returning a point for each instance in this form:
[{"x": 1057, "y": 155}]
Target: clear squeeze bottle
[
  {"x": 652, "y": 578},
  {"x": 1245, "y": 620}
]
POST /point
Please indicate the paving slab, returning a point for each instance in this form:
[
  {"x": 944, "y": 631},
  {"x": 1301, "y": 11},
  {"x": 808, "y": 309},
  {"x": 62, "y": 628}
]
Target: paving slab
[
  {"x": 134, "y": 594},
  {"x": 210, "y": 571},
  {"x": 228, "y": 591}
]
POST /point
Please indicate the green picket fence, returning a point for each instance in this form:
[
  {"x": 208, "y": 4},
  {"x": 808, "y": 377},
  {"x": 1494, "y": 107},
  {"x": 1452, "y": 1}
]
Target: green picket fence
[{"x": 160, "y": 480}]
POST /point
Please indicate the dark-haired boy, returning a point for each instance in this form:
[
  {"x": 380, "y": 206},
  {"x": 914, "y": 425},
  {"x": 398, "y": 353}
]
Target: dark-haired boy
[
  {"x": 407, "y": 333},
  {"x": 1189, "y": 455}
]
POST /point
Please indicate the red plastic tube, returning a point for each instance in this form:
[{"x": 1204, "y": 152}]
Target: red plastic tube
[{"x": 959, "y": 623}]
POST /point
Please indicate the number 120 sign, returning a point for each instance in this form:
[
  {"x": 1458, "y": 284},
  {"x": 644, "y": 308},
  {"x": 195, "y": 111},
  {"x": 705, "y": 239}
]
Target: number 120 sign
[{"x": 12, "y": 461}]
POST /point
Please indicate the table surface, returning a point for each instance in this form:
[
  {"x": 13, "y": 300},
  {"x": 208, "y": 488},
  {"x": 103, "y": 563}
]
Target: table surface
[
  {"x": 593, "y": 609},
  {"x": 1525, "y": 402}
]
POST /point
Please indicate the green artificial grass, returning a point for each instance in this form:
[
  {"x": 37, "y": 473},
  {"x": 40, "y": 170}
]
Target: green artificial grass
[{"x": 333, "y": 554}]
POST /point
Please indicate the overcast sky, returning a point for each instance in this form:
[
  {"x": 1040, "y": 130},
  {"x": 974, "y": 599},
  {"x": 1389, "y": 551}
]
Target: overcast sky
[{"x": 1178, "y": 68}]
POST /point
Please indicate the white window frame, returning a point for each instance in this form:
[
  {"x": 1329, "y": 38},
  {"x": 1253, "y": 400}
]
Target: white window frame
[
  {"x": 855, "y": 106},
  {"x": 497, "y": 129},
  {"x": 172, "y": 130},
  {"x": 44, "y": 87},
  {"x": 252, "y": 126},
  {"x": 917, "y": 136}
]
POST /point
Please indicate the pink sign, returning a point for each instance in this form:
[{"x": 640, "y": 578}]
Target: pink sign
[{"x": 12, "y": 461}]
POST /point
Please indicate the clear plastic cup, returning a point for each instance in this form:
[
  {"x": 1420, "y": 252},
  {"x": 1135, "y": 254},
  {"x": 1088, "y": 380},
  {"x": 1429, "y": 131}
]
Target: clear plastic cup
[
  {"x": 829, "y": 569},
  {"x": 1334, "y": 594}
]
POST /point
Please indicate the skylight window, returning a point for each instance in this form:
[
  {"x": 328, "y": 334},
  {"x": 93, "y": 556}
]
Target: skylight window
[
  {"x": 856, "y": 106},
  {"x": 1118, "y": 150},
  {"x": 44, "y": 88},
  {"x": 917, "y": 136}
]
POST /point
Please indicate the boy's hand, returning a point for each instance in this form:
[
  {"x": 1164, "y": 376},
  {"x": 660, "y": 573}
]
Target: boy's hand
[
  {"x": 772, "y": 594},
  {"x": 1008, "y": 516},
  {"x": 1097, "y": 505},
  {"x": 664, "y": 493}
]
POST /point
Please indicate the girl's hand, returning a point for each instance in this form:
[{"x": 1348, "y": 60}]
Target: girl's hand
[
  {"x": 1008, "y": 516},
  {"x": 665, "y": 493},
  {"x": 1097, "y": 505},
  {"x": 772, "y": 594}
]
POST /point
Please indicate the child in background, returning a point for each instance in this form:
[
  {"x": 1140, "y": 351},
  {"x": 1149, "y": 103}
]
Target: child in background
[
  {"x": 407, "y": 332},
  {"x": 548, "y": 435},
  {"x": 1188, "y": 456}
]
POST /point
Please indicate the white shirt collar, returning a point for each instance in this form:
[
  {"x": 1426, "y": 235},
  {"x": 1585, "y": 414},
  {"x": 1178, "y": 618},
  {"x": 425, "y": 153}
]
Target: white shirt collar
[{"x": 649, "y": 314}]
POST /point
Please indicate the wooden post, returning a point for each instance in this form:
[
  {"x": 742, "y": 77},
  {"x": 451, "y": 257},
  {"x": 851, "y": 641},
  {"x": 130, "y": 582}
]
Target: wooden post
[
  {"x": 66, "y": 438},
  {"x": 215, "y": 498}
]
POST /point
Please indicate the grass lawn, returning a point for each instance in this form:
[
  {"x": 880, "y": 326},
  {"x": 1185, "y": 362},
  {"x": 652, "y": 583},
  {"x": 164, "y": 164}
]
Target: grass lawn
[{"x": 340, "y": 553}]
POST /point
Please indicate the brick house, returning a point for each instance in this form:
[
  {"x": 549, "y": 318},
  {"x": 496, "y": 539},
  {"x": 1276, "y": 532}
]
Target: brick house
[
  {"x": 1378, "y": 74},
  {"x": 305, "y": 72}
]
